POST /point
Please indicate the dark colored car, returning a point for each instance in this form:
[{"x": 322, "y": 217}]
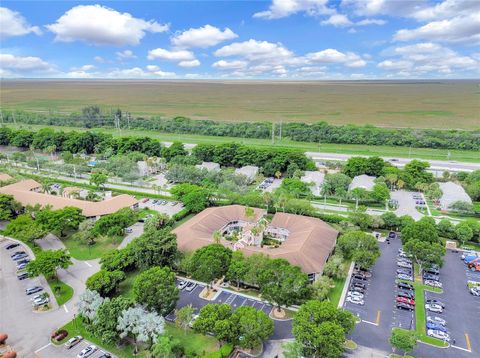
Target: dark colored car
[
  {"x": 405, "y": 286},
  {"x": 432, "y": 271},
  {"x": 22, "y": 276},
  {"x": 105, "y": 355},
  {"x": 405, "y": 271},
  {"x": 407, "y": 294},
  {"x": 428, "y": 276},
  {"x": 358, "y": 276},
  {"x": 392, "y": 235},
  {"x": 357, "y": 289},
  {"x": 404, "y": 306},
  {"x": 17, "y": 253},
  {"x": 12, "y": 246},
  {"x": 358, "y": 284}
]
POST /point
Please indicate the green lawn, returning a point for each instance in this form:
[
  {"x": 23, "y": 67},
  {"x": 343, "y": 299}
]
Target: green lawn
[
  {"x": 336, "y": 292},
  {"x": 401, "y": 152},
  {"x": 81, "y": 250},
  {"x": 193, "y": 343},
  {"x": 63, "y": 294}
]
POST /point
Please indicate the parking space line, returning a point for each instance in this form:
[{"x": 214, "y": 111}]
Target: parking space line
[
  {"x": 372, "y": 323},
  {"x": 469, "y": 345},
  {"x": 462, "y": 349},
  {"x": 378, "y": 318},
  {"x": 65, "y": 308},
  {"x": 45, "y": 346},
  {"x": 245, "y": 300},
  {"x": 86, "y": 263}
]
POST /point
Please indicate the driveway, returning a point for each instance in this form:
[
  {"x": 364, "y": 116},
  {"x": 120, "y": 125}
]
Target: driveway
[
  {"x": 406, "y": 204},
  {"x": 137, "y": 230},
  {"x": 52, "y": 351}
]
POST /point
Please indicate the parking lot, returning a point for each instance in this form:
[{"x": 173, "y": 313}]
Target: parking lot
[
  {"x": 52, "y": 351},
  {"x": 282, "y": 328},
  {"x": 462, "y": 310},
  {"x": 161, "y": 206}
]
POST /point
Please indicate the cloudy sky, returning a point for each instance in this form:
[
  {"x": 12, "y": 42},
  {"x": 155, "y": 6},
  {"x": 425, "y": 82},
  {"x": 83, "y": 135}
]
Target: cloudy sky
[{"x": 276, "y": 39}]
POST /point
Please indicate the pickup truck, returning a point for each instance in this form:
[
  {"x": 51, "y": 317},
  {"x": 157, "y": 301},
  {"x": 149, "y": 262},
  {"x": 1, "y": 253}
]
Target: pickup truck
[
  {"x": 474, "y": 265},
  {"x": 469, "y": 258}
]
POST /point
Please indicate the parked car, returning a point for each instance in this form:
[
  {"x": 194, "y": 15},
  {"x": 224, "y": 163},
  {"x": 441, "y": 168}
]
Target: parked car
[
  {"x": 404, "y": 264},
  {"x": 402, "y": 276},
  {"x": 404, "y": 306},
  {"x": 407, "y": 294},
  {"x": 404, "y": 255},
  {"x": 404, "y": 271},
  {"x": 469, "y": 258},
  {"x": 194, "y": 317},
  {"x": 17, "y": 253},
  {"x": 434, "y": 308},
  {"x": 357, "y": 289},
  {"x": 438, "y": 334},
  {"x": 392, "y": 235},
  {"x": 182, "y": 284},
  {"x": 437, "y": 320},
  {"x": 20, "y": 257},
  {"x": 359, "y": 284},
  {"x": 32, "y": 290},
  {"x": 468, "y": 253},
  {"x": 60, "y": 335},
  {"x": 475, "y": 291},
  {"x": 433, "y": 283},
  {"x": 190, "y": 286},
  {"x": 405, "y": 300},
  {"x": 105, "y": 355},
  {"x": 145, "y": 200},
  {"x": 427, "y": 276},
  {"x": 355, "y": 294},
  {"x": 72, "y": 342},
  {"x": 21, "y": 266},
  {"x": 359, "y": 276},
  {"x": 437, "y": 302},
  {"x": 405, "y": 286},
  {"x": 432, "y": 271},
  {"x": 403, "y": 259},
  {"x": 355, "y": 300},
  {"x": 436, "y": 327},
  {"x": 22, "y": 276},
  {"x": 12, "y": 246},
  {"x": 87, "y": 352},
  {"x": 40, "y": 301}
]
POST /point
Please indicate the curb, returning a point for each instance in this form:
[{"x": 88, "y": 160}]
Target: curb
[{"x": 345, "y": 286}]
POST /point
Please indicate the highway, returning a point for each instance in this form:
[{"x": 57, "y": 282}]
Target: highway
[{"x": 435, "y": 165}]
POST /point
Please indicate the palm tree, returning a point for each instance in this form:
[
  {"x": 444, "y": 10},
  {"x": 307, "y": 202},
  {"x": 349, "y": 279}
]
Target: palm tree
[
  {"x": 217, "y": 236},
  {"x": 46, "y": 187}
]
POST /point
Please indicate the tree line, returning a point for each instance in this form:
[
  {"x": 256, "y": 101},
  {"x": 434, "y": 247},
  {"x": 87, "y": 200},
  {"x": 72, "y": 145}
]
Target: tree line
[{"x": 320, "y": 132}]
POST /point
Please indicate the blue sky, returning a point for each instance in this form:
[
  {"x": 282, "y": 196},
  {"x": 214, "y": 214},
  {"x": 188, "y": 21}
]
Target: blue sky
[{"x": 277, "y": 39}]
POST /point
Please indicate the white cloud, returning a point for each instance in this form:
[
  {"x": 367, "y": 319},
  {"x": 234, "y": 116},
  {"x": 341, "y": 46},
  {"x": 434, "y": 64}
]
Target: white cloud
[
  {"x": 384, "y": 7},
  {"x": 284, "y": 8},
  {"x": 427, "y": 58},
  {"x": 14, "y": 24},
  {"x": 337, "y": 20},
  {"x": 457, "y": 29},
  {"x": 254, "y": 50},
  {"x": 83, "y": 68},
  {"x": 333, "y": 56},
  {"x": 152, "y": 68},
  {"x": 230, "y": 65},
  {"x": 99, "y": 25},
  {"x": 366, "y": 22},
  {"x": 99, "y": 59},
  {"x": 203, "y": 37},
  {"x": 24, "y": 65},
  {"x": 189, "y": 64},
  {"x": 174, "y": 55},
  {"x": 125, "y": 55}
]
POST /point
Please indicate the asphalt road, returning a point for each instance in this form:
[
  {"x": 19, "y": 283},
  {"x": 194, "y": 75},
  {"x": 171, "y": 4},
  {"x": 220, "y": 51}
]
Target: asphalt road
[{"x": 435, "y": 165}]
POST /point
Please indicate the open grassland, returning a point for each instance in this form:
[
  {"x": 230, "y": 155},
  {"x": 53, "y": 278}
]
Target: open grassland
[
  {"x": 416, "y": 104},
  {"x": 354, "y": 149}
]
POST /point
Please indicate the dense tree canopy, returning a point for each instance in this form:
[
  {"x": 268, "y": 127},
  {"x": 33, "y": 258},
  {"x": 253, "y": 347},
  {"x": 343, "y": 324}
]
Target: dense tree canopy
[
  {"x": 48, "y": 262},
  {"x": 105, "y": 282},
  {"x": 360, "y": 247},
  {"x": 210, "y": 262}
]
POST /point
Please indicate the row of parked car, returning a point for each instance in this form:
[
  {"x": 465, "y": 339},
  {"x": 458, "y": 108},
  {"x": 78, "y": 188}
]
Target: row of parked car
[
  {"x": 87, "y": 351},
  {"x": 419, "y": 200},
  {"x": 186, "y": 285},
  {"x": 21, "y": 259},
  {"x": 358, "y": 286},
  {"x": 436, "y": 326}
]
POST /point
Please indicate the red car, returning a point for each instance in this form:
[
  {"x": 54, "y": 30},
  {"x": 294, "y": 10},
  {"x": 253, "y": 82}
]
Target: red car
[
  {"x": 406, "y": 300},
  {"x": 145, "y": 200}
]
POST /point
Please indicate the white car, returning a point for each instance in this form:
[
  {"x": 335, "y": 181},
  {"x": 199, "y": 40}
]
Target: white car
[
  {"x": 355, "y": 300},
  {"x": 438, "y": 334},
  {"x": 355, "y": 294},
  {"x": 194, "y": 317},
  {"x": 404, "y": 264},
  {"x": 475, "y": 291},
  {"x": 402, "y": 276},
  {"x": 181, "y": 284},
  {"x": 40, "y": 301},
  {"x": 87, "y": 352},
  {"x": 436, "y": 320},
  {"x": 468, "y": 253},
  {"x": 433, "y": 307},
  {"x": 433, "y": 283}
]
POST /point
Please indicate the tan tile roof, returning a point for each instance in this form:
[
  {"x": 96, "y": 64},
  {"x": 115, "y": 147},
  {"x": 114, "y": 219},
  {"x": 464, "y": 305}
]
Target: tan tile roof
[
  {"x": 4, "y": 177},
  {"x": 309, "y": 244},
  {"x": 22, "y": 192}
]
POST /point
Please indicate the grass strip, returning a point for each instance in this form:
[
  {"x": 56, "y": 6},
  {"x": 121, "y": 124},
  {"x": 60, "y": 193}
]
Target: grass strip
[{"x": 62, "y": 292}]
